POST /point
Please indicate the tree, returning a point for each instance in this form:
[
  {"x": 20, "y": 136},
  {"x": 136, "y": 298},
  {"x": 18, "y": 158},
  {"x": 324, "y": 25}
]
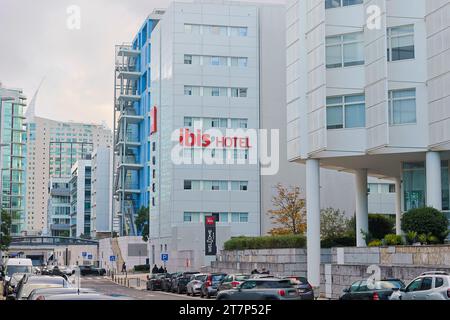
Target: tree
[
  {"x": 5, "y": 237},
  {"x": 142, "y": 222},
  {"x": 290, "y": 215},
  {"x": 426, "y": 221},
  {"x": 333, "y": 223},
  {"x": 379, "y": 226}
]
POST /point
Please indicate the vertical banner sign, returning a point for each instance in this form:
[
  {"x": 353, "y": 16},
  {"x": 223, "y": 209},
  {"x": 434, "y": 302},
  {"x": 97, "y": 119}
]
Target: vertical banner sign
[
  {"x": 210, "y": 236},
  {"x": 153, "y": 120}
]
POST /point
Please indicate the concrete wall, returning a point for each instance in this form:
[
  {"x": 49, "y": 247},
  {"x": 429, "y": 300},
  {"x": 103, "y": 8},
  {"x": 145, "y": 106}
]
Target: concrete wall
[
  {"x": 73, "y": 255},
  {"x": 105, "y": 251}
]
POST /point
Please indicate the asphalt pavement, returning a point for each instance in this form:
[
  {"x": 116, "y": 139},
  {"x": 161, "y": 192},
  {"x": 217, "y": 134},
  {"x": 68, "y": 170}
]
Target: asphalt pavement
[{"x": 105, "y": 285}]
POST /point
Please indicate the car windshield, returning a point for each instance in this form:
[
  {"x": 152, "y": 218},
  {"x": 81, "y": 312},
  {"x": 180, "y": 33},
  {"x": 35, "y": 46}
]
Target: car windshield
[
  {"x": 10, "y": 270},
  {"x": 218, "y": 277},
  {"x": 242, "y": 277}
]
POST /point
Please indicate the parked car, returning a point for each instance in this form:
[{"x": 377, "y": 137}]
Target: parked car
[
  {"x": 180, "y": 282},
  {"x": 209, "y": 287},
  {"x": 305, "y": 290},
  {"x": 379, "y": 290},
  {"x": 19, "y": 266},
  {"x": 154, "y": 282},
  {"x": 32, "y": 282},
  {"x": 42, "y": 294},
  {"x": 261, "y": 289},
  {"x": 195, "y": 284},
  {"x": 166, "y": 283},
  {"x": 91, "y": 271},
  {"x": 232, "y": 281},
  {"x": 433, "y": 285}
]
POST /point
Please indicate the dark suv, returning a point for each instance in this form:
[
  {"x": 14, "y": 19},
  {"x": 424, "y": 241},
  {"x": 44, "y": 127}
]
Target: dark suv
[
  {"x": 180, "y": 282},
  {"x": 155, "y": 281}
]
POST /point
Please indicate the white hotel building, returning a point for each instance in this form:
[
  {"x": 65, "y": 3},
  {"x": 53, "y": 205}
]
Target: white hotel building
[{"x": 370, "y": 101}]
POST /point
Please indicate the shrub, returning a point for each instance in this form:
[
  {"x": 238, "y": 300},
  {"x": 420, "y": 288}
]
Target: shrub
[
  {"x": 433, "y": 239},
  {"x": 375, "y": 243},
  {"x": 422, "y": 238},
  {"x": 266, "y": 242},
  {"x": 393, "y": 240},
  {"x": 426, "y": 221},
  {"x": 142, "y": 268},
  {"x": 343, "y": 241},
  {"x": 379, "y": 226},
  {"x": 411, "y": 237}
]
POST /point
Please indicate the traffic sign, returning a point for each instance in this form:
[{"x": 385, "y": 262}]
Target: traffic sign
[
  {"x": 84, "y": 254},
  {"x": 112, "y": 258},
  {"x": 90, "y": 257},
  {"x": 164, "y": 257}
]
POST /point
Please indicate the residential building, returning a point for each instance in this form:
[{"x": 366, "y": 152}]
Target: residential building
[
  {"x": 53, "y": 147},
  {"x": 12, "y": 156},
  {"x": 58, "y": 207},
  {"x": 80, "y": 199},
  {"x": 368, "y": 96},
  {"x": 101, "y": 192}
]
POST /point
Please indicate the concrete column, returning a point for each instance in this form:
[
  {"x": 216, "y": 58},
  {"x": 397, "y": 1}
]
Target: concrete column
[
  {"x": 434, "y": 180},
  {"x": 362, "y": 208},
  {"x": 398, "y": 206},
  {"x": 313, "y": 221}
]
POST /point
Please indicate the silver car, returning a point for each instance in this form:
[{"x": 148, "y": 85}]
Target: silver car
[
  {"x": 434, "y": 285},
  {"x": 195, "y": 285}
]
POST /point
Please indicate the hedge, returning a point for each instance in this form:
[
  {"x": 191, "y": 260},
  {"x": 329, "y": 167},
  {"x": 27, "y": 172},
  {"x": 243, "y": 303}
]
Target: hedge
[
  {"x": 344, "y": 241},
  {"x": 266, "y": 242},
  {"x": 142, "y": 267}
]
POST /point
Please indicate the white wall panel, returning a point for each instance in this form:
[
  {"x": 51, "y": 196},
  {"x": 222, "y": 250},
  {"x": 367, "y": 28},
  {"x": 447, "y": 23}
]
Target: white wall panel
[{"x": 377, "y": 117}]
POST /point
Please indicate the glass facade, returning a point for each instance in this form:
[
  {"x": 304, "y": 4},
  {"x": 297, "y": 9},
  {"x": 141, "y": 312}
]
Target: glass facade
[
  {"x": 13, "y": 137},
  {"x": 414, "y": 185}
]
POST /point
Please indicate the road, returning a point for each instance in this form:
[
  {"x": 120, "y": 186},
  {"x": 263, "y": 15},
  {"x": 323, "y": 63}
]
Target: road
[{"x": 104, "y": 285}]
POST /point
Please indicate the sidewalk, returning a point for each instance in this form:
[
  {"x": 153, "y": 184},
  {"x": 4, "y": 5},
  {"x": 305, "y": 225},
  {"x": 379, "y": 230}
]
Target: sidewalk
[{"x": 132, "y": 280}]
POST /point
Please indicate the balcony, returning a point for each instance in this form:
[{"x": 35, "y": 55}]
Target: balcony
[
  {"x": 127, "y": 51},
  {"x": 131, "y": 162}
]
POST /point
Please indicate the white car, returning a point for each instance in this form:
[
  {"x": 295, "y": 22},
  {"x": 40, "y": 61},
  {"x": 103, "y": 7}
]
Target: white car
[
  {"x": 32, "y": 282},
  {"x": 195, "y": 285},
  {"x": 433, "y": 285}
]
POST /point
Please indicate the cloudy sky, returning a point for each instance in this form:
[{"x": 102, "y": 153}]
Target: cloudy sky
[{"x": 78, "y": 65}]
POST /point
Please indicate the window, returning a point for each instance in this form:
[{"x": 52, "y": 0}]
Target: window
[
  {"x": 239, "y": 123},
  {"x": 402, "y": 106},
  {"x": 223, "y": 217},
  {"x": 345, "y": 50},
  {"x": 217, "y": 30},
  {"x": 426, "y": 284},
  {"x": 187, "y": 59},
  {"x": 238, "y": 62},
  {"x": 391, "y": 188},
  {"x": 187, "y": 185},
  {"x": 239, "y": 92},
  {"x": 341, "y": 3},
  {"x": 218, "y": 61},
  {"x": 191, "y": 217},
  {"x": 239, "y": 217},
  {"x": 192, "y": 28},
  {"x": 214, "y": 92},
  {"x": 191, "y": 91},
  {"x": 346, "y": 112},
  {"x": 400, "y": 43},
  {"x": 238, "y": 31},
  {"x": 239, "y": 185}
]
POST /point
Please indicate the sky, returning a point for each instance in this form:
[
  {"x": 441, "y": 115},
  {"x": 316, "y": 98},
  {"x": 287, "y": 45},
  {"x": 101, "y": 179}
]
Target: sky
[{"x": 77, "y": 65}]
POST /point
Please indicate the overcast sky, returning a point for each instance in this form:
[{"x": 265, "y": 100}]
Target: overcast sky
[{"x": 78, "y": 65}]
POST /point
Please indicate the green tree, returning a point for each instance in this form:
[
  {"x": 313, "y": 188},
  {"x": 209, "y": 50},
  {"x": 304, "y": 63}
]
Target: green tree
[
  {"x": 5, "y": 236},
  {"x": 290, "y": 213},
  {"x": 426, "y": 221},
  {"x": 333, "y": 223},
  {"x": 142, "y": 222},
  {"x": 379, "y": 226}
]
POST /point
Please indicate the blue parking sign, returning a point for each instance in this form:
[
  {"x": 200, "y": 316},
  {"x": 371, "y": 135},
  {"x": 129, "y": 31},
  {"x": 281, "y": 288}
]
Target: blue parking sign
[
  {"x": 164, "y": 257},
  {"x": 112, "y": 258},
  {"x": 90, "y": 257},
  {"x": 84, "y": 254}
]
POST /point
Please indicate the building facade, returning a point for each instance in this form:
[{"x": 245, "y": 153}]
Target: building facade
[
  {"x": 53, "y": 147},
  {"x": 80, "y": 199},
  {"x": 13, "y": 156},
  {"x": 366, "y": 94},
  {"x": 58, "y": 207},
  {"x": 101, "y": 189}
]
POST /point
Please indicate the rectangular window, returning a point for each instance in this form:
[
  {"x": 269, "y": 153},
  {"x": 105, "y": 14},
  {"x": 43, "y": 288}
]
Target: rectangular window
[
  {"x": 187, "y": 184},
  {"x": 239, "y": 62},
  {"x": 192, "y": 28},
  {"x": 239, "y": 92},
  {"x": 400, "y": 43},
  {"x": 402, "y": 106},
  {"x": 217, "y": 30},
  {"x": 239, "y": 217},
  {"x": 187, "y": 59},
  {"x": 346, "y": 112},
  {"x": 218, "y": 61},
  {"x": 238, "y": 31},
  {"x": 239, "y": 185},
  {"x": 345, "y": 50},
  {"x": 191, "y": 91},
  {"x": 214, "y": 92},
  {"x": 329, "y": 4}
]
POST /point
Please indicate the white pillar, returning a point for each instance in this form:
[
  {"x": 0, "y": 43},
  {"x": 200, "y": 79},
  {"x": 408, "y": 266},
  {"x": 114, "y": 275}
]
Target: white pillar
[
  {"x": 313, "y": 221},
  {"x": 362, "y": 209},
  {"x": 398, "y": 206},
  {"x": 434, "y": 182}
]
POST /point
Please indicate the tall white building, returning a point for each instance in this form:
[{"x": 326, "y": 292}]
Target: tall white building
[
  {"x": 101, "y": 192},
  {"x": 53, "y": 147},
  {"x": 367, "y": 93}
]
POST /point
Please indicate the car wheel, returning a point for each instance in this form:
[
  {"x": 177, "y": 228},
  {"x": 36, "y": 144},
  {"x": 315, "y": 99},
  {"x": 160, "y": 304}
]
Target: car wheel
[
  {"x": 208, "y": 296},
  {"x": 201, "y": 294},
  {"x": 187, "y": 292}
]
